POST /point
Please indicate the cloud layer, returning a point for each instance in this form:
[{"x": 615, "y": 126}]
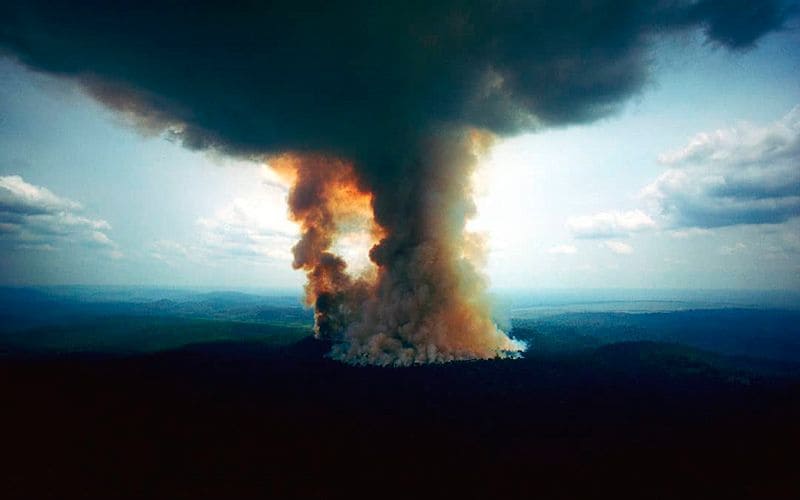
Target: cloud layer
[
  {"x": 245, "y": 229},
  {"x": 741, "y": 175},
  {"x": 32, "y": 217},
  {"x": 610, "y": 224}
]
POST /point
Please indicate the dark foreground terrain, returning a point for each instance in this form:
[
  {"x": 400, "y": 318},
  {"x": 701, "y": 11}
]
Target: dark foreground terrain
[
  {"x": 232, "y": 418},
  {"x": 225, "y": 396}
]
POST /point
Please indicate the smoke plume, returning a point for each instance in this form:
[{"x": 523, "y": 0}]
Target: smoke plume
[
  {"x": 327, "y": 202},
  {"x": 377, "y": 112},
  {"x": 424, "y": 301}
]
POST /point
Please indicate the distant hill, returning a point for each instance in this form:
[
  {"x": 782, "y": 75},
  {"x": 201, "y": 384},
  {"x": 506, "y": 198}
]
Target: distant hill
[
  {"x": 756, "y": 333},
  {"x": 26, "y": 308},
  {"x": 137, "y": 334}
]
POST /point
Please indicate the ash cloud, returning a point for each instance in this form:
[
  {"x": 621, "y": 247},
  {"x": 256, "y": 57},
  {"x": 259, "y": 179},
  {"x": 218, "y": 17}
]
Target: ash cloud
[{"x": 399, "y": 92}]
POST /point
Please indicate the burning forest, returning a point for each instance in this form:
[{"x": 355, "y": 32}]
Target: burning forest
[
  {"x": 377, "y": 114},
  {"x": 424, "y": 300}
]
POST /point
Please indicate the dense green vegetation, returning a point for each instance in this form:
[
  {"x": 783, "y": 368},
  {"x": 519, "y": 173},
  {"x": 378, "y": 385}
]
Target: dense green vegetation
[{"x": 120, "y": 334}]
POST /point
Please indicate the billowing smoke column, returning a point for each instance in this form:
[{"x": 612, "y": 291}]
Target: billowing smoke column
[
  {"x": 326, "y": 201},
  {"x": 425, "y": 302},
  {"x": 430, "y": 302},
  {"x": 377, "y": 111}
]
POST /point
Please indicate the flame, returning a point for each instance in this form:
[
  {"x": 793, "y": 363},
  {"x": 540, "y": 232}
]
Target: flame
[
  {"x": 421, "y": 299},
  {"x": 328, "y": 204}
]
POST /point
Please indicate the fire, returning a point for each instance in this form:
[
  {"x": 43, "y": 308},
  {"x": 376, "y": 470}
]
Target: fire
[
  {"x": 328, "y": 204},
  {"x": 421, "y": 299}
]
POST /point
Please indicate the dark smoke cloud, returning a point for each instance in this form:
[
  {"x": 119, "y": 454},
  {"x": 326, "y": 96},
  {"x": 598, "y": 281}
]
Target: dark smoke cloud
[
  {"x": 335, "y": 76},
  {"x": 396, "y": 90}
]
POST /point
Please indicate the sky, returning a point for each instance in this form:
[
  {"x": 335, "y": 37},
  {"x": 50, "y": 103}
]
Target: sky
[{"x": 694, "y": 182}]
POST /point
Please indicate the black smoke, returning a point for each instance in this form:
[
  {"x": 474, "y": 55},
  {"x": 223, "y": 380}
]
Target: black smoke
[{"x": 341, "y": 77}]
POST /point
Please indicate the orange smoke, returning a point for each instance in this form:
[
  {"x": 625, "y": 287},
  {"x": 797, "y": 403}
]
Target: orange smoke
[
  {"x": 424, "y": 300},
  {"x": 327, "y": 202}
]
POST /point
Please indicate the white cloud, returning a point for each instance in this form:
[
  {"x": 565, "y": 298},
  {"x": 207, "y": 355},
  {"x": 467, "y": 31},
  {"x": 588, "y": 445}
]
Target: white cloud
[
  {"x": 34, "y": 218},
  {"x": 19, "y": 197},
  {"x": 100, "y": 239},
  {"x": 250, "y": 227},
  {"x": 256, "y": 227},
  {"x": 618, "y": 247},
  {"x": 563, "y": 250},
  {"x": 610, "y": 224},
  {"x": 743, "y": 144},
  {"x": 741, "y": 175}
]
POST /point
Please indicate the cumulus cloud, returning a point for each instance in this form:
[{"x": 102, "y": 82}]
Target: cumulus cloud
[
  {"x": 610, "y": 224},
  {"x": 562, "y": 250},
  {"x": 33, "y": 217},
  {"x": 252, "y": 227},
  {"x": 745, "y": 174},
  {"x": 742, "y": 175},
  {"x": 249, "y": 227},
  {"x": 618, "y": 247},
  {"x": 742, "y": 145},
  {"x": 19, "y": 197}
]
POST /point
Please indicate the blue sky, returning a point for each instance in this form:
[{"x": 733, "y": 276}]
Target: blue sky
[{"x": 694, "y": 184}]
